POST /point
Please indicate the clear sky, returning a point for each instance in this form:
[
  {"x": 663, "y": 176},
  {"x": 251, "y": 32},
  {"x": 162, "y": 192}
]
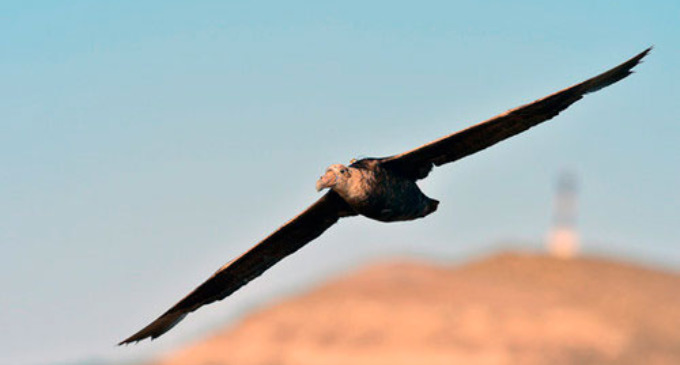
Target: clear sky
[{"x": 145, "y": 143}]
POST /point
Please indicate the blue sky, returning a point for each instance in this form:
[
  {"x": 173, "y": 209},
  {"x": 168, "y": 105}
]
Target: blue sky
[{"x": 144, "y": 144}]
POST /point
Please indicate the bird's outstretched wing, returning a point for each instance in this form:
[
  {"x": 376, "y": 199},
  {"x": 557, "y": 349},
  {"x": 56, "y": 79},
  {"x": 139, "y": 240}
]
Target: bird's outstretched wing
[
  {"x": 299, "y": 231},
  {"x": 417, "y": 163}
]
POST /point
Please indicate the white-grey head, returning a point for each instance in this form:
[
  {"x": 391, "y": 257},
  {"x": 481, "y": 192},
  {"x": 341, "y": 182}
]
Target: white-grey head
[{"x": 336, "y": 177}]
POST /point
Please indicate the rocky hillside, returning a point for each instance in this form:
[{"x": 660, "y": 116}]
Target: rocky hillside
[{"x": 507, "y": 309}]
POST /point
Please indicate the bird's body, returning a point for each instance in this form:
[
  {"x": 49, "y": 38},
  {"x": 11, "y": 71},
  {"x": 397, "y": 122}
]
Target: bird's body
[
  {"x": 382, "y": 189},
  {"x": 381, "y": 194}
]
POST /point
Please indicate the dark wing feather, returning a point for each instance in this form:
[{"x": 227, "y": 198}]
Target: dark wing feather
[
  {"x": 417, "y": 163},
  {"x": 289, "y": 238}
]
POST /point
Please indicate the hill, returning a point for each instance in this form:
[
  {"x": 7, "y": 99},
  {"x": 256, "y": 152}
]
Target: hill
[{"x": 506, "y": 309}]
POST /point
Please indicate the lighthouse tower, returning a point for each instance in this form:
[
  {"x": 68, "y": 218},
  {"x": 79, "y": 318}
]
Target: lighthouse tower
[{"x": 563, "y": 240}]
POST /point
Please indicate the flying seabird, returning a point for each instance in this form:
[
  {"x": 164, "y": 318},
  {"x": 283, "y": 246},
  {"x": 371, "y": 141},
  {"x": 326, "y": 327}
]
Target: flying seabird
[{"x": 383, "y": 189}]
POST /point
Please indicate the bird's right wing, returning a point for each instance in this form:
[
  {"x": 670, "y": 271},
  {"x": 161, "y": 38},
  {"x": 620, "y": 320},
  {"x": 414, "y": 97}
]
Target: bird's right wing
[
  {"x": 417, "y": 163},
  {"x": 289, "y": 238}
]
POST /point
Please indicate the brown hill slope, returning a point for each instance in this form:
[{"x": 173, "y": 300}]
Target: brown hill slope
[{"x": 507, "y": 309}]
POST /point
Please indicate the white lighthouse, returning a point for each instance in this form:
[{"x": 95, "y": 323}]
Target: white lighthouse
[{"x": 563, "y": 240}]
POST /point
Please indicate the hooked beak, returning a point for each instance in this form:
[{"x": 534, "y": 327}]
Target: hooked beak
[{"x": 326, "y": 181}]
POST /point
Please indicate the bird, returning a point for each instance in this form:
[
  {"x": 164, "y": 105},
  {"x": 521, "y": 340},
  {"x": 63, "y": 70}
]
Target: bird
[{"x": 383, "y": 189}]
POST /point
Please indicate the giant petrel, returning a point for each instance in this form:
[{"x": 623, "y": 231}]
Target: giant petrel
[{"x": 383, "y": 189}]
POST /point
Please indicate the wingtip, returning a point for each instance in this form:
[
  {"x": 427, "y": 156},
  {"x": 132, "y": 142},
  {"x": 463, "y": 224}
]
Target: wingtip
[
  {"x": 615, "y": 74},
  {"x": 644, "y": 53},
  {"x": 132, "y": 340},
  {"x": 128, "y": 341},
  {"x": 156, "y": 328},
  {"x": 637, "y": 59}
]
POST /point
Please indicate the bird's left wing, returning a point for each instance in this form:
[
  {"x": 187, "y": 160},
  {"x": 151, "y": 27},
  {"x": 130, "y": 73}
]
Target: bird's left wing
[
  {"x": 299, "y": 231},
  {"x": 417, "y": 163}
]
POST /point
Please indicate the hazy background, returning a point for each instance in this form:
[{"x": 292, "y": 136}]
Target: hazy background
[{"x": 144, "y": 144}]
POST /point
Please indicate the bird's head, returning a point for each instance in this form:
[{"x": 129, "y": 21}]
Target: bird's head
[{"x": 336, "y": 176}]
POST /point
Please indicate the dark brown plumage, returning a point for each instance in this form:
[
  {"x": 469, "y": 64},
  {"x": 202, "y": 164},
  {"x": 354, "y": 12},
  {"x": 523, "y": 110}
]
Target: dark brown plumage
[{"x": 383, "y": 189}]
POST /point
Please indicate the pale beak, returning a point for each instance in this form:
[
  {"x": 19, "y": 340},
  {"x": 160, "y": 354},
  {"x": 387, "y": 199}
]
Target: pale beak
[{"x": 326, "y": 181}]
